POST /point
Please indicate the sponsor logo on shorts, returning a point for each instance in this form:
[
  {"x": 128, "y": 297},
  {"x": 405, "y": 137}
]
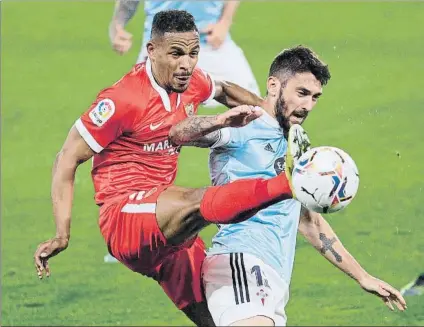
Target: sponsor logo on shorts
[{"x": 102, "y": 112}]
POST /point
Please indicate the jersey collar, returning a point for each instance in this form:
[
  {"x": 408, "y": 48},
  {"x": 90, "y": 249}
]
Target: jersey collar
[
  {"x": 268, "y": 119},
  {"x": 162, "y": 92}
]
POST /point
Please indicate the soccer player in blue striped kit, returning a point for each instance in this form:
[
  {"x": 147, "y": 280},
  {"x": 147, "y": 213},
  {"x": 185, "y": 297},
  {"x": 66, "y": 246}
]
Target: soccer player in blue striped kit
[{"x": 248, "y": 269}]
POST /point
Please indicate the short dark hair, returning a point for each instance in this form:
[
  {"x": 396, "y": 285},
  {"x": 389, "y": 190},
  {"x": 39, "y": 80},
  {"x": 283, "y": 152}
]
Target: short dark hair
[
  {"x": 172, "y": 21},
  {"x": 299, "y": 59}
]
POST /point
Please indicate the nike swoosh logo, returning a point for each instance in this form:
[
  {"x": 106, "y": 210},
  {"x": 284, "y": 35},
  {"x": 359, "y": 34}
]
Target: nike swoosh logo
[{"x": 153, "y": 127}]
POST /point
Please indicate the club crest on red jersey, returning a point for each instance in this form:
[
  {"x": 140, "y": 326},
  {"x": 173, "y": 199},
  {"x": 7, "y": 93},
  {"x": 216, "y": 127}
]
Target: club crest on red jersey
[{"x": 189, "y": 109}]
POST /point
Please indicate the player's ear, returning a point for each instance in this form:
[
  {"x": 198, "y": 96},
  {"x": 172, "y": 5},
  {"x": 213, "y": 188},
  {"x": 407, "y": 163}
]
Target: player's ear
[
  {"x": 150, "y": 49},
  {"x": 273, "y": 86}
]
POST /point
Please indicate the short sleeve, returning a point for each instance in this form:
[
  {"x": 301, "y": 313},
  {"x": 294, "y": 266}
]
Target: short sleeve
[
  {"x": 205, "y": 86},
  {"x": 229, "y": 138},
  {"x": 107, "y": 118}
]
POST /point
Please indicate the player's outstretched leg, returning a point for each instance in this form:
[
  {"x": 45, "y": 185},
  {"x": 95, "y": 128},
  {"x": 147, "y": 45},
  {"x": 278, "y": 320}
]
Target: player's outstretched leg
[{"x": 182, "y": 212}]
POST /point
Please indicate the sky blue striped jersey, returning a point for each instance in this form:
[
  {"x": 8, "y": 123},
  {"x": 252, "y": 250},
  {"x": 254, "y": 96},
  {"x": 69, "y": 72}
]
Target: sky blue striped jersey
[{"x": 256, "y": 150}]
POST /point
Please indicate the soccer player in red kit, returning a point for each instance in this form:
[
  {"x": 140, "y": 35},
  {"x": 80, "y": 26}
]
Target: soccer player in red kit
[{"x": 149, "y": 224}]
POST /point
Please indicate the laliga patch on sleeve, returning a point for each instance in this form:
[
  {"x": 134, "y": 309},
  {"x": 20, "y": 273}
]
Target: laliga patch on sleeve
[{"x": 101, "y": 113}]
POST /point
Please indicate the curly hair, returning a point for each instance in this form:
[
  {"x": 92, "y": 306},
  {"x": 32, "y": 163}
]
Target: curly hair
[
  {"x": 172, "y": 21},
  {"x": 299, "y": 59}
]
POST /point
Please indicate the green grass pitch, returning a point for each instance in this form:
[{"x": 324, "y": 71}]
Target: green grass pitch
[{"x": 56, "y": 57}]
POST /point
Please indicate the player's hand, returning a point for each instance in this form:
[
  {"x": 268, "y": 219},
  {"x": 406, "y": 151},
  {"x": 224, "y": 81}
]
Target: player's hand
[
  {"x": 120, "y": 39},
  {"x": 45, "y": 251},
  {"x": 386, "y": 292},
  {"x": 239, "y": 116},
  {"x": 216, "y": 33}
]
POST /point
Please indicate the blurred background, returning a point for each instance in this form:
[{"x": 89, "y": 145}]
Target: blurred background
[{"x": 55, "y": 58}]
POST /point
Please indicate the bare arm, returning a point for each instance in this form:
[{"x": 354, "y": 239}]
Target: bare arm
[
  {"x": 227, "y": 93},
  {"x": 232, "y": 95},
  {"x": 320, "y": 234},
  {"x": 230, "y": 8},
  {"x": 205, "y": 141},
  {"x": 192, "y": 130},
  {"x": 74, "y": 152},
  {"x": 124, "y": 11},
  {"x": 218, "y": 32},
  {"x": 195, "y": 128},
  {"x": 120, "y": 39}
]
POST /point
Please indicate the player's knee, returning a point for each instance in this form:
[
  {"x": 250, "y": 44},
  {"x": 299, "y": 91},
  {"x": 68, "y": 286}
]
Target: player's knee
[
  {"x": 255, "y": 321},
  {"x": 191, "y": 219},
  {"x": 192, "y": 199}
]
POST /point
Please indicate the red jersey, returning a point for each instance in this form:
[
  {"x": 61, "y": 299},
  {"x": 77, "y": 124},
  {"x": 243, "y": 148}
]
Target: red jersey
[{"x": 128, "y": 126}]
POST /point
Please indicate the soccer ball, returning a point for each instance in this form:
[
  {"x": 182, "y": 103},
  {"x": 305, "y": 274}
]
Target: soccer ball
[{"x": 325, "y": 179}]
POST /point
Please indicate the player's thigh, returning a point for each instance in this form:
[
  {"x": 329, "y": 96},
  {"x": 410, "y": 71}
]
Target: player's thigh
[
  {"x": 255, "y": 321},
  {"x": 236, "y": 288},
  {"x": 178, "y": 213},
  {"x": 131, "y": 231},
  {"x": 180, "y": 274}
]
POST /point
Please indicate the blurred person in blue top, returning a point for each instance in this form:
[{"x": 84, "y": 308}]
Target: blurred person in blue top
[
  {"x": 248, "y": 269},
  {"x": 219, "y": 55}
]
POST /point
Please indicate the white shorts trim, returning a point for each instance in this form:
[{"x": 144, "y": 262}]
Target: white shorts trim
[
  {"x": 88, "y": 138},
  {"x": 240, "y": 286},
  {"x": 139, "y": 208}
]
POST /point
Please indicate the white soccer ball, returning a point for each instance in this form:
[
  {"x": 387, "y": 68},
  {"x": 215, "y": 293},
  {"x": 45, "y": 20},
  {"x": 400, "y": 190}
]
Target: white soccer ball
[{"x": 325, "y": 179}]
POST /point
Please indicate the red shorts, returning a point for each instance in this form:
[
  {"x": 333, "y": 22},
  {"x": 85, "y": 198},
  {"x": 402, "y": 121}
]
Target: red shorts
[{"x": 132, "y": 235}]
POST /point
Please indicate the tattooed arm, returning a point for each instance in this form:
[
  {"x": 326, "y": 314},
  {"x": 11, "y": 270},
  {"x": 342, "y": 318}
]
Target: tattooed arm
[
  {"x": 124, "y": 11},
  {"x": 232, "y": 95},
  {"x": 207, "y": 141},
  {"x": 320, "y": 234},
  {"x": 120, "y": 39},
  {"x": 202, "y": 130}
]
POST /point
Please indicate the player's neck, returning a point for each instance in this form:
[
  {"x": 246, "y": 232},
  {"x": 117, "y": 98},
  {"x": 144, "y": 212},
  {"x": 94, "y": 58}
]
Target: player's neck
[
  {"x": 158, "y": 79},
  {"x": 269, "y": 107}
]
